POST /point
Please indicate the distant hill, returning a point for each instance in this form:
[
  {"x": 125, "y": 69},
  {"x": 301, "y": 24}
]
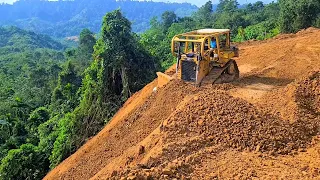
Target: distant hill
[
  {"x": 21, "y": 39},
  {"x": 68, "y": 18}
]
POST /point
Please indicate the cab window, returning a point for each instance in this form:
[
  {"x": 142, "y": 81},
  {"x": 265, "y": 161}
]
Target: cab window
[{"x": 223, "y": 41}]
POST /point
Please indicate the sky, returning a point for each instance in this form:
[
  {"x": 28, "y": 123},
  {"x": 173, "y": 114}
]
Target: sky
[{"x": 196, "y": 2}]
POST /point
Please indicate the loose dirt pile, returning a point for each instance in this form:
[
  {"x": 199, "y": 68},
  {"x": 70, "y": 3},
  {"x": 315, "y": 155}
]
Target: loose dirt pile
[
  {"x": 299, "y": 100},
  {"x": 266, "y": 125},
  {"x": 215, "y": 122}
]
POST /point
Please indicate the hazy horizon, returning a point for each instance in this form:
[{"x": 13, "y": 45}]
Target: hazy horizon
[{"x": 195, "y": 2}]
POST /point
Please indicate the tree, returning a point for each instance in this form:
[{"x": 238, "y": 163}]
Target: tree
[
  {"x": 296, "y": 15},
  {"x": 168, "y": 17},
  {"x": 227, "y": 6},
  {"x": 121, "y": 66},
  {"x": 23, "y": 163},
  {"x": 64, "y": 97},
  {"x": 37, "y": 117},
  {"x": 85, "y": 49},
  {"x": 204, "y": 14}
]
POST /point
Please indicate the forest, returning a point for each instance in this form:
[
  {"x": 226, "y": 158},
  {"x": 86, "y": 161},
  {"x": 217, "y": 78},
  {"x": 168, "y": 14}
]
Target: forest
[
  {"x": 68, "y": 18},
  {"x": 54, "y": 97}
]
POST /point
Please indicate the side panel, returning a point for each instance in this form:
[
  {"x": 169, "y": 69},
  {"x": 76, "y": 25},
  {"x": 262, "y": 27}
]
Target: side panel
[{"x": 203, "y": 70}]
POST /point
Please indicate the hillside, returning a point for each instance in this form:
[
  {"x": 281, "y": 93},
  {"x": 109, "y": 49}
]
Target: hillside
[
  {"x": 15, "y": 37},
  {"x": 24, "y": 54},
  {"x": 68, "y": 18},
  {"x": 241, "y": 130}
]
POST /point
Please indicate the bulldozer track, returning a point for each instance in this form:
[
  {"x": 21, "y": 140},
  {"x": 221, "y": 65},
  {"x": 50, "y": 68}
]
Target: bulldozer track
[{"x": 219, "y": 75}]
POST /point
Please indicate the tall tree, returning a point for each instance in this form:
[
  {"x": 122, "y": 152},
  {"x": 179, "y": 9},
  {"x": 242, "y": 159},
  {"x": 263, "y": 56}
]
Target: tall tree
[
  {"x": 227, "y": 6},
  {"x": 121, "y": 66},
  {"x": 204, "y": 15},
  {"x": 168, "y": 18},
  {"x": 298, "y": 14}
]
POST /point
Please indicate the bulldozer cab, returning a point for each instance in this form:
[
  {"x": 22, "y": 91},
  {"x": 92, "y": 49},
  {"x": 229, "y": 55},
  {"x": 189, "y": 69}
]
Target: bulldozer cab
[{"x": 198, "y": 52}]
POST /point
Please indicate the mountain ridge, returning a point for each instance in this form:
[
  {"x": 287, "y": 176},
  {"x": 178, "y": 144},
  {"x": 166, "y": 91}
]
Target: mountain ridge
[{"x": 68, "y": 18}]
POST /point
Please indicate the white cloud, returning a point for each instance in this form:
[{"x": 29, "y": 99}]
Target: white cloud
[{"x": 7, "y": 1}]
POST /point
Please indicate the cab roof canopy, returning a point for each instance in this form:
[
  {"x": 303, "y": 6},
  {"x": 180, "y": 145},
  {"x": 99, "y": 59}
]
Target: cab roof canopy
[
  {"x": 205, "y": 32},
  {"x": 199, "y": 34},
  {"x": 209, "y": 31}
]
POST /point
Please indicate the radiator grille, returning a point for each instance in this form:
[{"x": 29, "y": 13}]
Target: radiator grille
[{"x": 188, "y": 69}]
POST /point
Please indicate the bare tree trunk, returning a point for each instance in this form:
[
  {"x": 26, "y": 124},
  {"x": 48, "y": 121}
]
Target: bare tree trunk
[{"x": 125, "y": 83}]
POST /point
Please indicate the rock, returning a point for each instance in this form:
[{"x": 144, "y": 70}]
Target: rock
[
  {"x": 167, "y": 172},
  {"x": 180, "y": 163},
  {"x": 114, "y": 173},
  {"x": 213, "y": 175},
  {"x": 258, "y": 148},
  {"x": 200, "y": 122},
  {"x": 155, "y": 89},
  {"x": 141, "y": 150},
  {"x": 302, "y": 150},
  {"x": 132, "y": 177}
]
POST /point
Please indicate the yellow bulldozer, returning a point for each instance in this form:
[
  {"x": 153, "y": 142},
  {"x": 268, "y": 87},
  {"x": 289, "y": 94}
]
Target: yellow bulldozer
[{"x": 203, "y": 57}]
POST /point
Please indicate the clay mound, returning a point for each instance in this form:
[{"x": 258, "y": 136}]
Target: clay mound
[
  {"x": 308, "y": 94},
  {"x": 299, "y": 100},
  {"x": 284, "y": 59},
  {"x": 215, "y": 122},
  {"x": 234, "y": 123}
]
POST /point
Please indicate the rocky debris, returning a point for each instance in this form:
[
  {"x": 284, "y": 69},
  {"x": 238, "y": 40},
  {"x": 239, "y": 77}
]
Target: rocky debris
[
  {"x": 141, "y": 150},
  {"x": 237, "y": 124}
]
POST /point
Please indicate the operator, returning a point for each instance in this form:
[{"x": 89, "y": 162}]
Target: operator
[{"x": 213, "y": 43}]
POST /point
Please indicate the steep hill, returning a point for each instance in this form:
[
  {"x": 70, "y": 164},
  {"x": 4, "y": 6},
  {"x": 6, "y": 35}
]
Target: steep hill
[
  {"x": 265, "y": 125},
  {"x": 21, "y": 39},
  {"x": 68, "y": 18}
]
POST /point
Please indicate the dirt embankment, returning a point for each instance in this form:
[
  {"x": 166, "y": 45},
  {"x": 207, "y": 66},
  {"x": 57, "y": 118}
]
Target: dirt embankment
[
  {"x": 217, "y": 123},
  {"x": 266, "y": 125}
]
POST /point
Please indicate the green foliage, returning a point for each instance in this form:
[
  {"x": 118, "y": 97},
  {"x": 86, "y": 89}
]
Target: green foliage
[
  {"x": 65, "y": 97},
  {"x": 48, "y": 133},
  {"x": 30, "y": 64},
  {"x": 261, "y": 31},
  {"x": 121, "y": 66},
  {"x": 62, "y": 146},
  {"x": 227, "y": 6},
  {"x": 168, "y": 18},
  {"x": 204, "y": 15},
  {"x": 22, "y": 40},
  {"x": 37, "y": 117},
  {"x": 298, "y": 14},
  {"x": 23, "y": 163}
]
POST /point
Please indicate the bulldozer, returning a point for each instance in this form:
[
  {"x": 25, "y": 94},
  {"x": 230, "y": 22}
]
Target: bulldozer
[{"x": 203, "y": 56}]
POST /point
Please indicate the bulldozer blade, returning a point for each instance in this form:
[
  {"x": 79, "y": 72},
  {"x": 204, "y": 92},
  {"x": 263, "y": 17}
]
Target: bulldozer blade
[{"x": 163, "y": 79}]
